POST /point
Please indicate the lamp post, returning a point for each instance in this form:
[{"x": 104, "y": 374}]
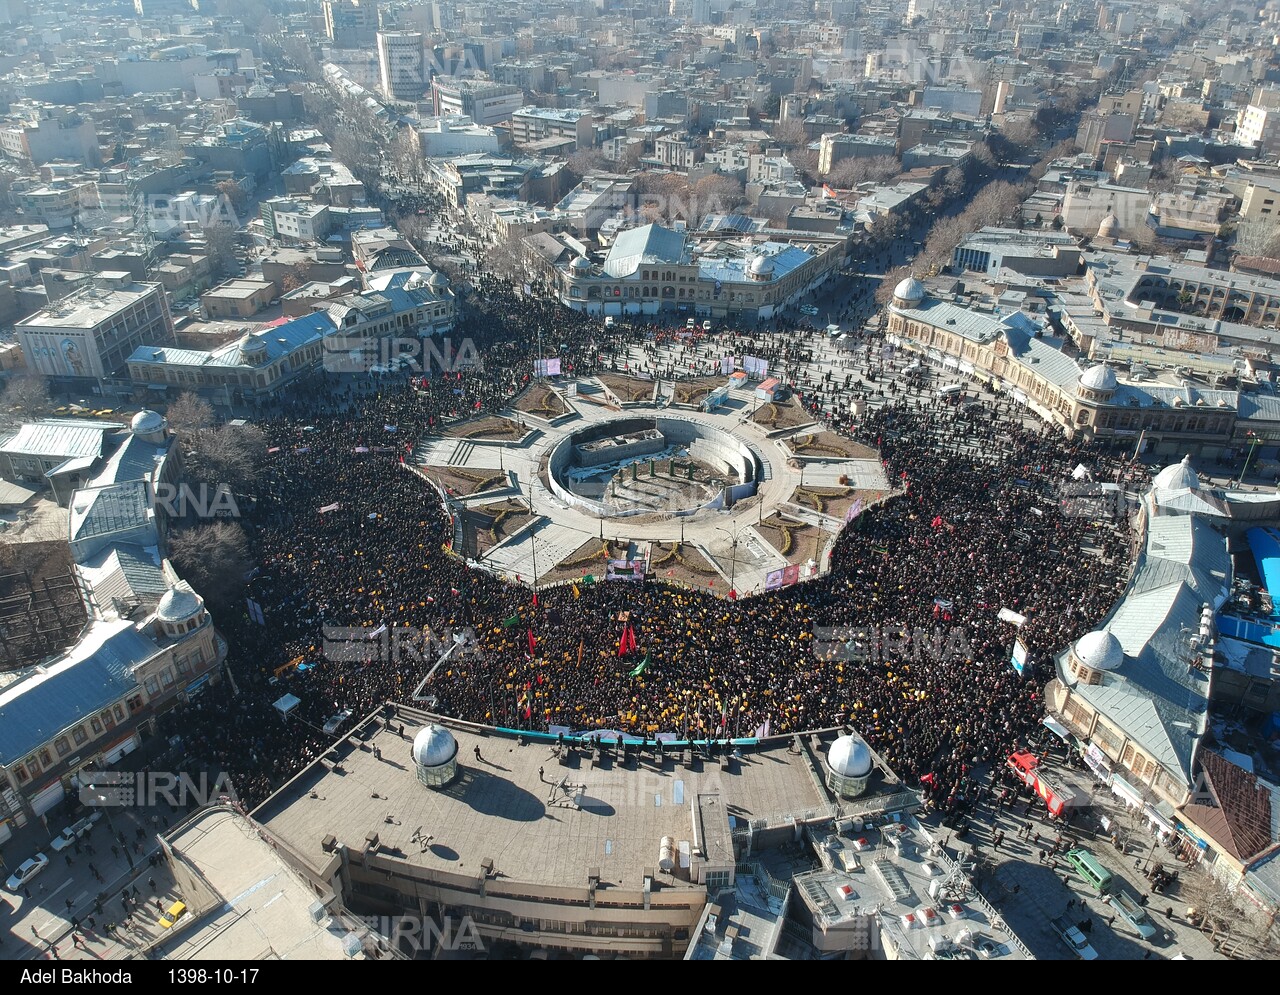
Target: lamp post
[
  {"x": 733, "y": 560},
  {"x": 1254, "y": 443}
]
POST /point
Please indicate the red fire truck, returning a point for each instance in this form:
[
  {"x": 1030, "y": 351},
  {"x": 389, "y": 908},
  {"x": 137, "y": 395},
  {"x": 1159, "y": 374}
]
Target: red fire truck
[{"x": 1057, "y": 798}]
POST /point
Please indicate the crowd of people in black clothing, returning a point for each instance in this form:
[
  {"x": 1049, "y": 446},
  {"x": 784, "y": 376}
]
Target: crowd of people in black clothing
[{"x": 345, "y": 535}]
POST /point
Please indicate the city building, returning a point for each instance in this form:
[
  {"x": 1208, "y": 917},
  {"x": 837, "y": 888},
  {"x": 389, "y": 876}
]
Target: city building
[
  {"x": 237, "y": 299},
  {"x": 402, "y": 66},
  {"x": 652, "y": 270},
  {"x": 48, "y": 134},
  {"x": 351, "y": 23},
  {"x": 485, "y": 103},
  {"x": 537, "y": 124},
  {"x": 451, "y": 136},
  {"x": 680, "y": 830},
  {"x": 92, "y": 331}
]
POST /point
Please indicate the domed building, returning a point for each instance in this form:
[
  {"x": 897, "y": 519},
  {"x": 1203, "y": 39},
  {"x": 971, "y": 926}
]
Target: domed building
[
  {"x": 1097, "y": 383},
  {"x": 180, "y": 611},
  {"x": 1109, "y": 227},
  {"x": 849, "y": 766},
  {"x": 1177, "y": 477},
  {"x": 149, "y": 426},
  {"x": 435, "y": 756},
  {"x": 909, "y": 293},
  {"x": 1093, "y": 655},
  {"x": 761, "y": 269}
]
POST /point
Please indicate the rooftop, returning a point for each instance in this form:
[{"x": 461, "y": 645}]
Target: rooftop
[{"x": 544, "y": 828}]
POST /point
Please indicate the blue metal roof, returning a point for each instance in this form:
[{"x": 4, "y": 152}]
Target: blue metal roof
[{"x": 37, "y": 708}]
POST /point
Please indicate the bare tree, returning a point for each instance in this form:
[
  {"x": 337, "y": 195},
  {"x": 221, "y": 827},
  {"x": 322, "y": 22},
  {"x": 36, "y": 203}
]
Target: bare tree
[
  {"x": 231, "y": 455},
  {"x": 213, "y": 557},
  {"x": 189, "y": 414},
  {"x": 884, "y": 292},
  {"x": 790, "y": 135},
  {"x": 586, "y": 161},
  {"x": 234, "y": 195},
  {"x": 220, "y": 245},
  {"x": 1258, "y": 237},
  {"x": 719, "y": 193},
  {"x": 25, "y": 397}
]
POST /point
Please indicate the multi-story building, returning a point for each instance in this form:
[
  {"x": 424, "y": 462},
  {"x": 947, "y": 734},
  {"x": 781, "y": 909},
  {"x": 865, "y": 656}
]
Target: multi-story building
[
  {"x": 1031, "y": 253},
  {"x": 93, "y": 331},
  {"x": 484, "y": 102},
  {"x": 47, "y": 134},
  {"x": 536, "y": 124},
  {"x": 836, "y": 148},
  {"x": 401, "y": 65},
  {"x": 449, "y": 136},
  {"x": 652, "y": 270},
  {"x": 149, "y": 645},
  {"x": 351, "y": 23},
  {"x": 293, "y": 221},
  {"x": 56, "y": 204},
  {"x": 1260, "y": 126}
]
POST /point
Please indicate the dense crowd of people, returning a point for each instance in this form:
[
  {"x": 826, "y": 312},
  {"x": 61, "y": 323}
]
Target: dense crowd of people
[{"x": 900, "y": 637}]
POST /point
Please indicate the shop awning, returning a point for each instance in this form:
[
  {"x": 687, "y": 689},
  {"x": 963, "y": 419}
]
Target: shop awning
[
  {"x": 1057, "y": 728},
  {"x": 1154, "y": 815},
  {"x": 1125, "y": 790}
]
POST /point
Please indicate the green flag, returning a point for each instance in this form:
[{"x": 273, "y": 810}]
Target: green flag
[
  {"x": 589, "y": 579},
  {"x": 641, "y": 668},
  {"x": 512, "y": 622}
]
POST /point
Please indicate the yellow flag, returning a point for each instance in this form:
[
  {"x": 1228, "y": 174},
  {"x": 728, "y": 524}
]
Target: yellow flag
[{"x": 575, "y": 592}]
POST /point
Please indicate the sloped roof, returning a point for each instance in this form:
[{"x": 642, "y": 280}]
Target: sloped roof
[
  {"x": 95, "y": 672},
  {"x": 1155, "y": 697},
  {"x": 57, "y": 437},
  {"x": 650, "y": 244},
  {"x": 1239, "y": 819}
]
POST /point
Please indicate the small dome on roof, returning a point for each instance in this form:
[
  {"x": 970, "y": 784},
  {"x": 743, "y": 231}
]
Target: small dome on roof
[
  {"x": 581, "y": 264},
  {"x": 434, "y": 746},
  {"x": 178, "y": 605},
  {"x": 1099, "y": 650},
  {"x": 1178, "y": 477},
  {"x": 1108, "y": 226},
  {"x": 849, "y": 756},
  {"x": 761, "y": 266},
  {"x": 1099, "y": 377},
  {"x": 909, "y": 290},
  {"x": 147, "y": 422},
  {"x": 437, "y": 281}
]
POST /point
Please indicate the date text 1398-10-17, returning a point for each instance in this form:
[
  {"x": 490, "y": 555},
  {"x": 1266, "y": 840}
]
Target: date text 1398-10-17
[{"x": 213, "y": 976}]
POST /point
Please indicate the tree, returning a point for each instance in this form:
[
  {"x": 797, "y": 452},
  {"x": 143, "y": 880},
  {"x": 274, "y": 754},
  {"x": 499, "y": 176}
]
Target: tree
[
  {"x": 790, "y": 134},
  {"x": 585, "y": 161},
  {"x": 25, "y": 397},
  {"x": 213, "y": 557},
  {"x": 189, "y": 413},
  {"x": 230, "y": 455},
  {"x": 220, "y": 245},
  {"x": 1259, "y": 237},
  {"x": 719, "y": 194},
  {"x": 884, "y": 292},
  {"x": 232, "y": 195}
]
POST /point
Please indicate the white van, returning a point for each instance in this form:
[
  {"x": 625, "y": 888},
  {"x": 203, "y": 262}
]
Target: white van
[
  {"x": 951, "y": 389},
  {"x": 608, "y": 322},
  {"x": 691, "y": 324}
]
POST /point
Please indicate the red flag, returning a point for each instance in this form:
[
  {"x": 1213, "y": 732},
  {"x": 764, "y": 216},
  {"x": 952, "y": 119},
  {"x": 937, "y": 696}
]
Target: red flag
[
  {"x": 733, "y": 595},
  {"x": 533, "y": 643},
  {"x": 535, "y": 599},
  {"x": 528, "y": 712}
]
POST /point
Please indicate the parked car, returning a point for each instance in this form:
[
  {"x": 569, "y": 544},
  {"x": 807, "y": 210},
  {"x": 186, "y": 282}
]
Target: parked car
[
  {"x": 808, "y": 309},
  {"x": 73, "y": 832},
  {"x": 26, "y": 871},
  {"x": 1073, "y": 937},
  {"x": 335, "y": 721},
  {"x": 172, "y": 914},
  {"x": 1132, "y": 912}
]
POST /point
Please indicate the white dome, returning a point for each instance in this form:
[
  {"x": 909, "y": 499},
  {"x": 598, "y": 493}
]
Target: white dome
[
  {"x": 761, "y": 266},
  {"x": 147, "y": 422},
  {"x": 1099, "y": 650},
  {"x": 1099, "y": 377},
  {"x": 910, "y": 290},
  {"x": 1107, "y": 228},
  {"x": 178, "y": 605},
  {"x": 849, "y": 756},
  {"x": 1177, "y": 477},
  {"x": 434, "y": 746},
  {"x": 581, "y": 263},
  {"x": 437, "y": 281}
]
